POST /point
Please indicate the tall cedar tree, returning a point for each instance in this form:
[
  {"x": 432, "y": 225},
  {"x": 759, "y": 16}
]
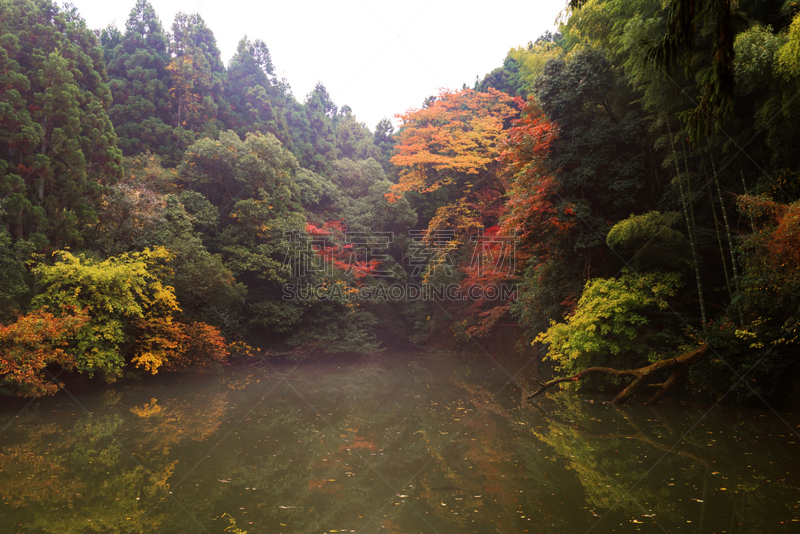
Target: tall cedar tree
[
  {"x": 57, "y": 143},
  {"x": 140, "y": 82},
  {"x": 198, "y": 77},
  {"x": 313, "y": 131},
  {"x": 257, "y": 99}
]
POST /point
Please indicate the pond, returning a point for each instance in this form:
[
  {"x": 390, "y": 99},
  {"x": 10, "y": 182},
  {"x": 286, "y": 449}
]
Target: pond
[{"x": 392, "y": 443}]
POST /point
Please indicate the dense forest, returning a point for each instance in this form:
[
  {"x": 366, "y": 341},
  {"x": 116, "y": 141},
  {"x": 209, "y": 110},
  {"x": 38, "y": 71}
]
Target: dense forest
[{"x": 632, "y": 176}]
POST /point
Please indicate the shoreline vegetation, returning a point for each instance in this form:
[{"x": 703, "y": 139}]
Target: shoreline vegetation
[{"x": 619, "y": 200}]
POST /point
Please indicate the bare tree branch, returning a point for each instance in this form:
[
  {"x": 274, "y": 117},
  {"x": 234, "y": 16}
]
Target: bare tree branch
[{"x": 639, "y": 376}]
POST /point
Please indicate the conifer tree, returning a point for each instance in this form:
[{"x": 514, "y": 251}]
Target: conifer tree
[
  {"x": 257, "y": 100},
  {"x": 58, "y": 145},
  {"x": 313, "y": 131},
  {"x": 198, "y": 77},
  {"x": 137, "y": 68}
]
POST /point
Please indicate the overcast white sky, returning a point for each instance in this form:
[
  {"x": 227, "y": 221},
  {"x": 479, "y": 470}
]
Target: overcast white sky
[{"x": 379, "y": 57}]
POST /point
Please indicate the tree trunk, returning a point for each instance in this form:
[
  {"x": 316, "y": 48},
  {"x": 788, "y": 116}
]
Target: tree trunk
[
  {"x": 640, "y": 375},
  {"x": 719, "y": 239},
  {"x": 690, "y": 229},
  {"x": 730, "y": 241}
]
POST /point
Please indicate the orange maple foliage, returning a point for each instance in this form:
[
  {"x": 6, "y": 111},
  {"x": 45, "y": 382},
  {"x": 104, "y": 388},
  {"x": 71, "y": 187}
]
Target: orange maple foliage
[
  {"x": 32, "y": 343},
  {"x": 163, "y": 342},
  {"x": 532, "y": 209},
  {"x": 457, "y": 141},
  {"x": 532, "y": 212},
  {"x": 459, "y": 134}
]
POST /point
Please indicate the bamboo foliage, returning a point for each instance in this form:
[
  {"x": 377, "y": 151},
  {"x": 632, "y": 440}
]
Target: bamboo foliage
[
  {"x": 719, "y": 238},
  {"x": 690, "y": 229},
  {"x": 730, "y": 243}
]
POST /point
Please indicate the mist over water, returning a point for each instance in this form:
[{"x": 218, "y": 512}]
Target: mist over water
[{"x": 397, "y": 442}]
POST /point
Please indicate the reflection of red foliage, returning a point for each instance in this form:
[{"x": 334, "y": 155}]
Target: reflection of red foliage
[
  {"x": 360, "y": 443},
  {"x": 495, "y": 489},
  {"x": 391, "y": 528},
  {"x": 316, "y": 483},
  {"x": 489, "y": 457},
  {"x": 325, "y": 486}
]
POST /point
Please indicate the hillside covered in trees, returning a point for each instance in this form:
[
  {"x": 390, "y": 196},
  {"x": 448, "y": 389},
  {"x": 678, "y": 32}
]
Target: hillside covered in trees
[{"x": 634, "y": 177}]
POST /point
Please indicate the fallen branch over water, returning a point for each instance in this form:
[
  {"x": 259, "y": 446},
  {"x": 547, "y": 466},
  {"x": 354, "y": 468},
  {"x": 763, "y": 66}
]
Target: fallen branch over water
[{"x": 640, "y": 376}]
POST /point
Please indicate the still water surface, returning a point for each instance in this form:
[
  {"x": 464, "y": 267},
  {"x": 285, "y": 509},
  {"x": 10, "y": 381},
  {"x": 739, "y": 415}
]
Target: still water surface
[{"x": 396, "y": 443}]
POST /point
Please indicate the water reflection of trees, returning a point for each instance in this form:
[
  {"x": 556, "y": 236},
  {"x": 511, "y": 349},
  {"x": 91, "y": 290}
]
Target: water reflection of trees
[
  {"x": 646, "y": 464},
  {"x": 390, "y": 445},
  {"x": 75, "y": 479},
  {"x": 99, "y": 472}
]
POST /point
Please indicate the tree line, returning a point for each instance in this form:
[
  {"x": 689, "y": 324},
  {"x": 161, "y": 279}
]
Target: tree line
[
  {"x": 646, "y": 165},
  {"x": 633, "y": 175}
]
